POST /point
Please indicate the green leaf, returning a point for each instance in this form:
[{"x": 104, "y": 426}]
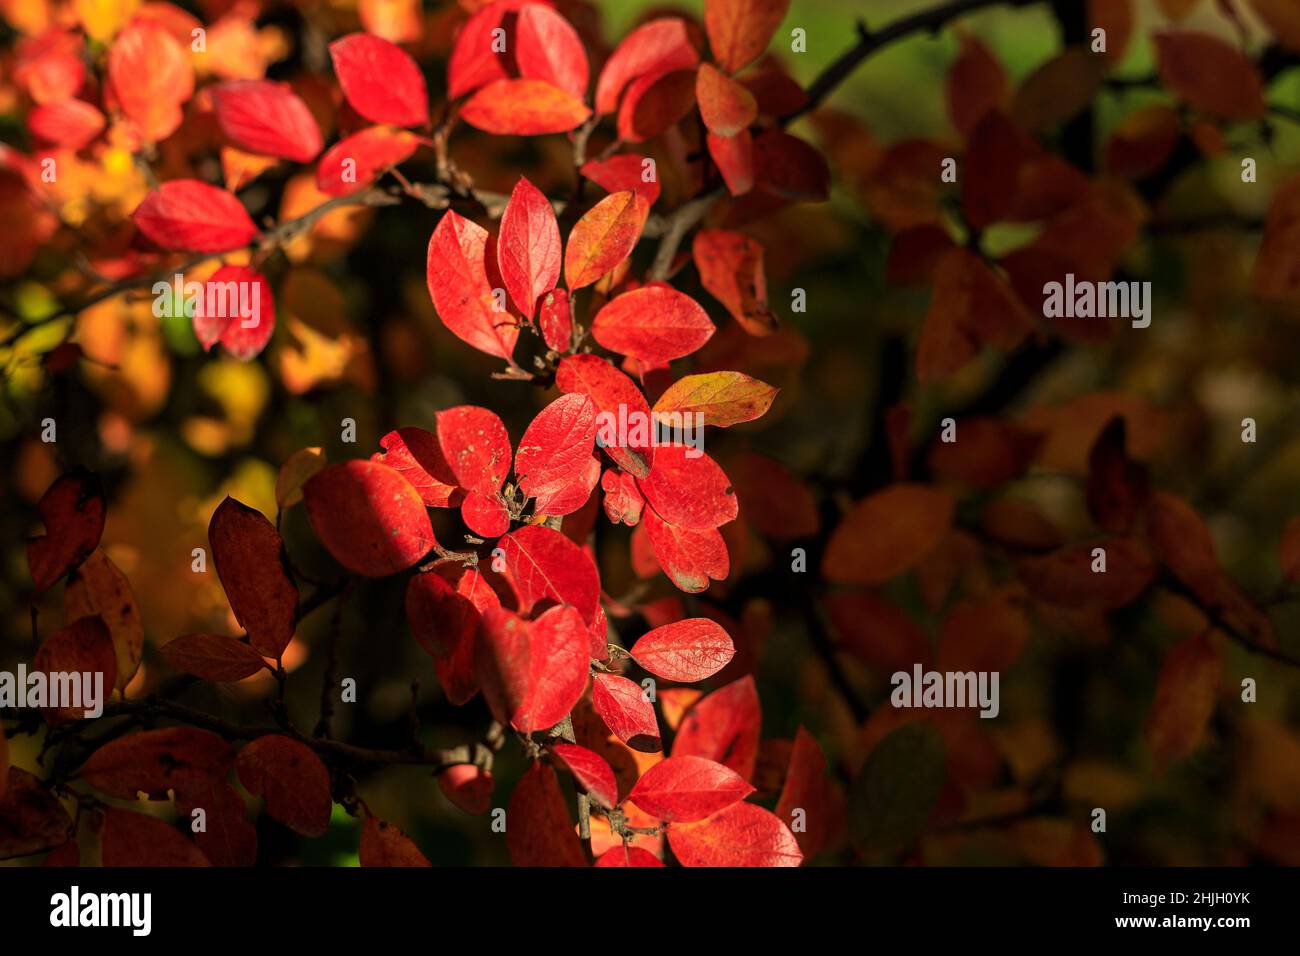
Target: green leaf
[{"x": 897, "y": 788}]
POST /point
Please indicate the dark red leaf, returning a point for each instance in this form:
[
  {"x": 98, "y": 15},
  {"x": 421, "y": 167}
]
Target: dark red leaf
[
  {"x": 249, "y": 557},
  {"x": 383, "y": 844},
  {"x": 538, "y": 829},
  {"x": 133, "y": 839},
  {"x": 213, "y": 657},
  {"x": 154, "y": 761},
  {"x": 72, "y": 510},
  {"x": 83, "y": 647},
  {"x": 292, "y": 781}
]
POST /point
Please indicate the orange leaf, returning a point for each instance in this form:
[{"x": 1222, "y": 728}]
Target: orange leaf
[
  {"x": 605, "y": 236},
  {"x": 726, "y": 106},
  {"x": 887, "y": 533},
  {"x": 1185, "y": 695},
  {"x": 522, "y": 107},
  {"x": 740, "y": 30}
]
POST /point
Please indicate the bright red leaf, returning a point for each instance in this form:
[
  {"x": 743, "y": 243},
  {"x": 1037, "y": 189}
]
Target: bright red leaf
[
  {"x": 684, "y": 789},
  {"x": 528, "y": 248},
  {"x": 185, "y": 214},
  {"x": 533, "y": 672},
  {"x": 591, "y": 772},
  {"x": 267, "y": 118},
  {"x": 688, "y": 650},
  {"x": 627, "y": 711},
  {"x": 461, "y": 292},
  {"x": 380, "y": 80},
  {"x": 654, "y": 324}
]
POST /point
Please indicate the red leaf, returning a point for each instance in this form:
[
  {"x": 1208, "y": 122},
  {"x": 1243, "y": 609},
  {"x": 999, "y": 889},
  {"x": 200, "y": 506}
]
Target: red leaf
[
  {"x": 1186, "y": 692},
  {"x": 740, "y": 30},
  {"x": 31, "y": 818},
  {"x": 542, "y": 563},
  {"x": 1065, "y": 576},
  {"x": 155, "y": 761},
  {"x": 72, "y": 510},
  {"x": 554, "y": 463},
  {"x": 591, "y": 772},
  {"x": 627, "y": 712},
  {"x": 611, "y": 391},
  {"x": 486, "y": 515},
  {"x": 230, "y": 839},
  {"x": 523, "y": 107},
  {"x": 468, "y": 787},
  {"x": 654, "y": 324},
  {"x": 689, "y": 558},
  {"x": 213, "y": 657},
  {"x": 248, "y": 553},
  {"x": 975, "y": 85},
  {"x": 724, "y": 726},
  {"x": 686, "y": 789},
  {"x": 230, "y": 292},
  {"x": 688, "y": 489},
  {"x": 185, "y": 214},
  {"x": 268, "y": 119},
  {"x": 731, "y": 268},
  {"x": 659, "y": 46},
  {"x": 623, "y": 855},
  {"x": 150, "y": 76},
  {"x": 654, "y": 103},
  {"x": 83, "y": 647},
  {"x": 1210, "y": 75},
  {"x": 604, "y": 236},
  {"x": 726, "y": 106},
  {"x": 807, "y": 788},
  {"x": 790, "y": 168},
  {"x": 448, "y": 630},
  {"x": 734, "y": 157},
  {"x": 740, "y": 835},
  {"x": 417, "y": 456},
  {"x": 383, "y": 844},
  {"x": 556, "y": 320},
  {"x": 461, "y": 292},
  {"x": 548, "y": 48},
  {"x": 368, "y": 517},
  {"x": 475, "y": 59},
  {"x": 475, "y": 444},
  {"x": 133, "y": 839},
  {"x": 380, "y": 80},
  {"x": 71, "y": 123},
  {"x": 358, "y": 160},
  {"x": 528, "y": 248},
  {"x": 291, "y": 780},
  {"x": 689, "y": 650},
  {"x": 538, "y": 829},
  {"x": 533, "y": 672},
  {"x": 623, "y": 501},
  {"x": 623, "y": 172}
]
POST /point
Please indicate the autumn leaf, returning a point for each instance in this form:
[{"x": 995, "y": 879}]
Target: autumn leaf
[
  {"x": 383, "y": 844},
  {"x": 267, "y": 118},
  {"x": 71, "y": 123},
  {"x": 368, "y": 517},
  {"x": 740, "y": 30},
  {"x": 532, "y": 672},
  {"x": 380, "y": 80},
  {"x": 609, "y": 389},
  {"x": 540, "y": 831},
  {"x": 731, "y": 269},
  {"x": 887, "y": 533},
  {"x": 590, "y": 771},
  {"x": 740, "y": 835},
  {"x": 292, "y": 781},
  {"x": 656, "y": 47},
  {"x": 524, "y": 107},
  {"x": 468, "y": 787},
  {"x": 628, "y": 856},
  {"x": 1209, "y": 75},
  {"x": 690, "y": 558},
  {"x": 155, "y": 761},
  {"x": 554, "y": 462},
  {"x": 724, "y": 726},
  {"x": 151, "y": 76},
  {"x": 417, "y": 455},
  {"x": 654, "y": 324},
  {"x": 976, "y": 83},
  {"x": 689, "y": 650},
  {"x": 72, "y": 510},
  {"x": 185, "y": 214},
  {"x": 626, "y": 711},
  {"x": 83, "y": 647},
  {"x": 809, "y": 796},
  {"x": 1069, "y": 577},
  {"x": 723, "y": 398},
  {"x": 548, "y": 48},
  {"x": 604, "y": 236},
  {"x": 543, "y": 564},
  {"x": 459, "y": 286},
  {"x": 685, "y": 789},
  {"x": 249, "y": 556},
  {"x": 528, "y": 248},
  {"x": 356, "y": 161},
  {"x": 213, "y": 657},
  {"x": 1186, "y": 690},
  {"x": 242, "y": 336},
  {"x": 726, "y": 106},
  {"x": 688, "y": 489},
  {"x": 134, "y": 839},
  {"x": 31, "y": 818}
]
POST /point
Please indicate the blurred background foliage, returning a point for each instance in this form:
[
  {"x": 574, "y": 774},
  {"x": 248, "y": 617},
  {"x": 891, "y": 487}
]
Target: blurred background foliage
[{"x": 173, "y": 430}]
